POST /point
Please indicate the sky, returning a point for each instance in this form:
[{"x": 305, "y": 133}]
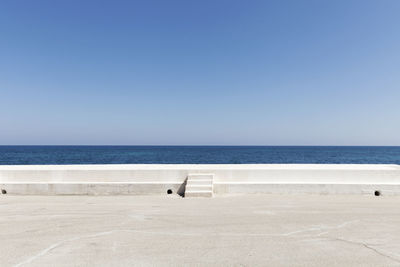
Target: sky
[{"x": 200, "y": 72}]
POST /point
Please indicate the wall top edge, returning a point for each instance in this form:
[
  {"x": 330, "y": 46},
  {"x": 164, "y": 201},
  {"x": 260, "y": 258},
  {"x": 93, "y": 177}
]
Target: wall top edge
[{"x": 199, "y": 167}]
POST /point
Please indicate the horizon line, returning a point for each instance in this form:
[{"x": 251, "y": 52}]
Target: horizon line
[{"x": 206, "y": 145}]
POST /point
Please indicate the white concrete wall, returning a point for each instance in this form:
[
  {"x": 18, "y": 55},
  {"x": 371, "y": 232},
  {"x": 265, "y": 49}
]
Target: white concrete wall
[{"x": 228, "y": 179}]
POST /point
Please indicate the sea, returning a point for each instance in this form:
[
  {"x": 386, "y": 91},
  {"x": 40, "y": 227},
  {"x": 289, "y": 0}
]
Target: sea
[{"x": 40, "y": 155}]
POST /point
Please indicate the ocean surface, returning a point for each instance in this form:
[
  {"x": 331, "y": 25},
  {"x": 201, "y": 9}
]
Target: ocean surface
[{"x": 30, "y": 155}]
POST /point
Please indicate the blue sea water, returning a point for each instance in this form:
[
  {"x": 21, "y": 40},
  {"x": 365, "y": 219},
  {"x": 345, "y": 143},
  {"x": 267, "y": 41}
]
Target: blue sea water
[{"x": 28, "y": 155}]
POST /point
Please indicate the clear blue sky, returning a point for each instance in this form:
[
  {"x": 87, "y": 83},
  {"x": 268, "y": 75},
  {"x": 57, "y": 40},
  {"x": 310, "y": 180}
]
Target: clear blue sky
[{"x": 200, "y": 72}]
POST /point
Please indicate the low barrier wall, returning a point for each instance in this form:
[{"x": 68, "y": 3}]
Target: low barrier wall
[{"x": 141, "y": 179}]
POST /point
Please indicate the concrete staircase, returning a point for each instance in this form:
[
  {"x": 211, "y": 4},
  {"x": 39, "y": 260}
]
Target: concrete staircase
[{"x": 199, "y": 185}]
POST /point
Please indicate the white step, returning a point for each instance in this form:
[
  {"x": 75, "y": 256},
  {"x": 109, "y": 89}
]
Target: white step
[
  {"x": 199, "y": 187},
  {"x": 200, "y": 176},
  {"x": 199, "y": 182},
  {"x": 198, "y": 193}
]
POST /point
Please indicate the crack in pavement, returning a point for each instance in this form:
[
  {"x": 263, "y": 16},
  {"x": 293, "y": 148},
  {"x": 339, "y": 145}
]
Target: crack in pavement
[{"x": 368, "y": 247}]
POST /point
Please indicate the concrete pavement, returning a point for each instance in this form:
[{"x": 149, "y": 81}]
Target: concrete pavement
[{"x": 242, "y": 230}]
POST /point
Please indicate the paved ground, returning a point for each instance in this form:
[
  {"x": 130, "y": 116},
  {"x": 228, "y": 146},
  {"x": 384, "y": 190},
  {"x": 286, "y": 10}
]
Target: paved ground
[{"x": 251, "y": 230}]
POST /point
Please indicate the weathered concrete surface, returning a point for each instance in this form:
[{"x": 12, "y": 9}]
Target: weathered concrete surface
[{"x": 250, "y": 230}]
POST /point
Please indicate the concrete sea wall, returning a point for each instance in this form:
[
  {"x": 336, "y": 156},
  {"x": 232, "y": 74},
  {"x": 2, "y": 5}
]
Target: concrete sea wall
[{"x": 143, "y": 179}]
